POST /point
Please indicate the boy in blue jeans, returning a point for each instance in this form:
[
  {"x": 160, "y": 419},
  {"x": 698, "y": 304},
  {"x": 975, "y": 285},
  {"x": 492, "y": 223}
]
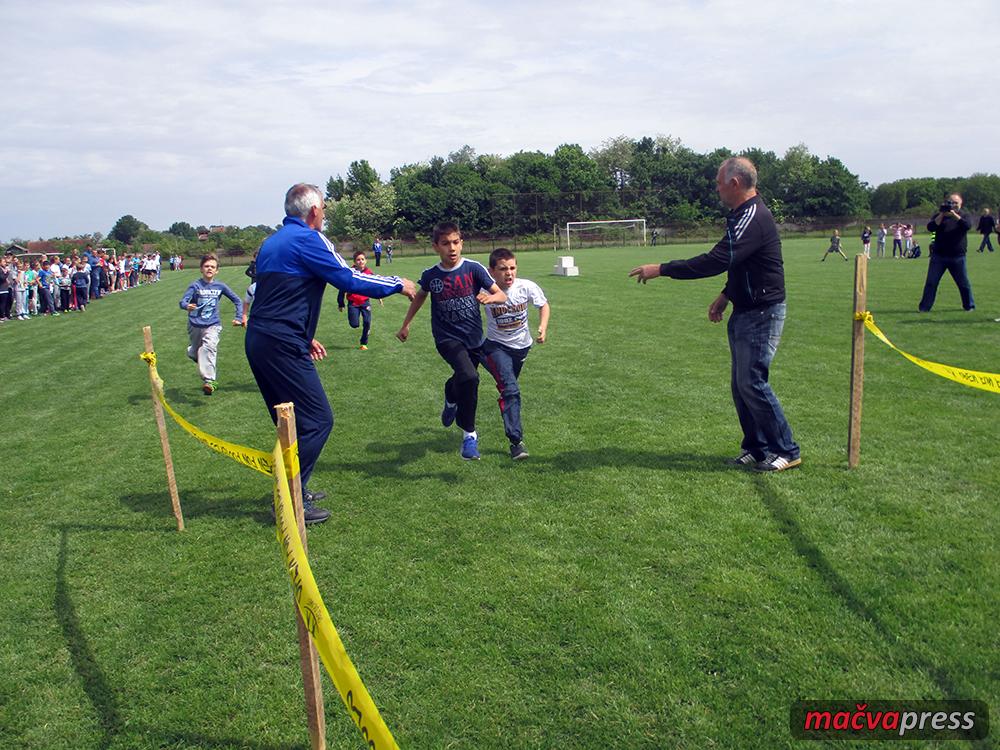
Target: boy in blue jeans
[
  {"x": 508, "y": 340},
  {"x": 359, "y": 310},
  {"x": 457, "y": 286},
  {"x": 201, "y": 301}
]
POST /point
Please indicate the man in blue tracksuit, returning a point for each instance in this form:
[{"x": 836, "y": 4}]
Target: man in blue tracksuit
[{"x": 294, "y": 266}]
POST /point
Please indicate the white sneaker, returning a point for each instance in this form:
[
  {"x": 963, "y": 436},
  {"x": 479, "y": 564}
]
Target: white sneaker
[
  {"x": 774, "y": 462},
  {"x": 744, "y": 459}
]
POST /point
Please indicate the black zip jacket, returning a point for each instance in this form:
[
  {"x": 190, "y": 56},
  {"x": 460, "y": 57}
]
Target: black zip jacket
[
  {"x": 950, "y": 235},
  {"x": 750, "y": 253}
]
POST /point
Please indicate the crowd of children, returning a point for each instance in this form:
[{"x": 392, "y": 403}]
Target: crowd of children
[{"x": 51, "y": 285}]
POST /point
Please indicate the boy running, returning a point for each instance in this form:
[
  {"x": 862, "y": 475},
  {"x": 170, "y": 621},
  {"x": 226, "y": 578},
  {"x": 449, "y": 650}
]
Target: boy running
[
  {"x": 201, "y": 301},
  {"x": 455, "y": 286},
  {"x": 508, "y": 340},
  {"x": 834, "y": 246},
  {"x": 360, "y": 307}
]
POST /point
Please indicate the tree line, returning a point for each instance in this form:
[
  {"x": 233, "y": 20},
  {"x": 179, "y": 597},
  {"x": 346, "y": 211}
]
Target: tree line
[
  {"x": 655, "y": 178},
  {"x": 658, "y": 179}
]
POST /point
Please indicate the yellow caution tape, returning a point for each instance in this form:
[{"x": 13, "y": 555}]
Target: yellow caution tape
[
  {"x": 331, "y": 650},
  {"x": 259, "y": 460},
  {"x": 986, "y": 381},
  {"x": 353, "y": 693}
]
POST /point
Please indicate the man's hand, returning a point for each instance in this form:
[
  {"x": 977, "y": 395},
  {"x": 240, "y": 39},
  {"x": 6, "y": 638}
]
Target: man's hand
[
  {"x": 316, "y": 350},
  {"x": 409, "y": 290},
  {"x": 403, "y": 333},
  {"x": 645, "y": 273},
  {"x": 340, "y": 309},
  {"x": 541, "y": 336},
  {"x": 192, "y": 306},
  {"x": 717, "y": 308}
]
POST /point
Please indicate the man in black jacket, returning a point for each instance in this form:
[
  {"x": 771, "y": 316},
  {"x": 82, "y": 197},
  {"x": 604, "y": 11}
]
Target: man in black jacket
[
  {"x": 750, "y": 254},
  {"x": 987, "y": 225},
  {"x": 950, "y": 226}
]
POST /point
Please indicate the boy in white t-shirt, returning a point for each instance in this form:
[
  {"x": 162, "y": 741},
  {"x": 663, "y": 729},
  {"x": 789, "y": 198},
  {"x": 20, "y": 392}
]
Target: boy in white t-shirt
[{"x": 508, "y": 340}]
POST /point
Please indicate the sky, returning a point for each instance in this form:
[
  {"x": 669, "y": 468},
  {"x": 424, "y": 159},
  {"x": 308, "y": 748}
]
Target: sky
[{"x": 206, "y": 112}]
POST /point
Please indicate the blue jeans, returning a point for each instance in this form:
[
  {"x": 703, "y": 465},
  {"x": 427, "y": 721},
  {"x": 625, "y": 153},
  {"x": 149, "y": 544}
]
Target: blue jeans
[
  {"x": 356, "y": 315},
  {"x": 986, "y": 243},
  {"x": 753, "y": 339},
  {"x": 504, "y": 364},
  {"x": 955, "y": 265}
]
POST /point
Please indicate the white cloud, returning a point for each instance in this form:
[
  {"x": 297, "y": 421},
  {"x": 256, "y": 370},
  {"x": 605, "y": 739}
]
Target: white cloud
[{"x": 206, "y": 111}]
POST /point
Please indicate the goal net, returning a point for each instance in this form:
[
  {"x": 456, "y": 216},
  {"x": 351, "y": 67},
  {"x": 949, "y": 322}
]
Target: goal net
[{"x": 579, "y": 234}]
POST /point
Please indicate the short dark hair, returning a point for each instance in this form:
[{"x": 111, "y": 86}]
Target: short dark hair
[
  {"x": 501, "y": 253},
  {"x": 444, "y": 228},
  {"x": 357, "y": 253},
  {"x": 206, "y": 258}
]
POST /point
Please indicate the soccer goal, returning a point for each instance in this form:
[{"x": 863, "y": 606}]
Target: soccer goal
[{"x": 611, "y": 232}]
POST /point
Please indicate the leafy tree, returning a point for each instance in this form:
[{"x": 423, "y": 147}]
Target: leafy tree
[
  {"x": 148, "y": 236},
  {"x": 420, "y": 202},
  {"x": 981, "y": 191},
  {"x": 126, "y": 228},
  {"x": 465, "y": 155},
  {"x": 361, "y": 178},
  {"x": 335, "y": 188},
  {"x": 183, "y": 229},
  {"x": 363, "y": 214},
  {"x": 614, "y": 156}
]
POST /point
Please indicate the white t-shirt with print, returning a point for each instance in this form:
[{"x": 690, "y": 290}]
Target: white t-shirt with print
[{"x": 507, "y": 323}]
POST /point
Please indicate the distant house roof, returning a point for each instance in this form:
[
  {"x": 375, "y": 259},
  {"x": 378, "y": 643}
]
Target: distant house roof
[{"x": 16, "y": 250}]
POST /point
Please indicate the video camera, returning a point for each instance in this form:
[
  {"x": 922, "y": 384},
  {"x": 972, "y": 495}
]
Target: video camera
[{"x": 948, "y": 206}]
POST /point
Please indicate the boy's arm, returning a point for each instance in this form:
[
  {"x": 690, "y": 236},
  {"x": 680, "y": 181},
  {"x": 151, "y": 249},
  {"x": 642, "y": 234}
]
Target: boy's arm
[
  {"x": 340, "y": 299},
  {"x": 495, "y": 296},
  {"x": 418, "y": 302},
  {"x": 186, "y": 299},
  {"x": 238, "y": 315},
  {"x": 543, "y": 322}
]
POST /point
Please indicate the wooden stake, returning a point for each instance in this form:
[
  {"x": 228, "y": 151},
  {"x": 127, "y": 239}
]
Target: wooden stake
[
  {"x": 857, "y": 360},
  {"x": 308, "y": 657},
  {"x": 175, "y": 500}
]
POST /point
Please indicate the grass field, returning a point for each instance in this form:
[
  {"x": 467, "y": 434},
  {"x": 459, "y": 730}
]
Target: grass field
[{"x": 620, "y": 588}]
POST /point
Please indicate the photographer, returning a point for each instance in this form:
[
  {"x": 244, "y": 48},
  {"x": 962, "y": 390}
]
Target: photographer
[{"x": 950, "y": 225}]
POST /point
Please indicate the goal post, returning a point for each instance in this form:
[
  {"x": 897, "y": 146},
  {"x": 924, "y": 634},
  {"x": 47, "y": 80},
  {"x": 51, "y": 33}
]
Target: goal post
[{"x": 617, "y": 231}]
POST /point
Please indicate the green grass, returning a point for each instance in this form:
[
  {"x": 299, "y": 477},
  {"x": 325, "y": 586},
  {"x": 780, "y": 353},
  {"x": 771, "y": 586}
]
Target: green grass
[{"x": 620, "y": 588}]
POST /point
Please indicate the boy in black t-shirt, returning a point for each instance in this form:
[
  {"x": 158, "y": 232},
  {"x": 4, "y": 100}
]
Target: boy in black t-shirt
[{"x": 454, "y": 286}]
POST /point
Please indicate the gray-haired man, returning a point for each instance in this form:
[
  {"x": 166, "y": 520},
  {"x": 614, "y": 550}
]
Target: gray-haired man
[{"x": 750, "y": 254}]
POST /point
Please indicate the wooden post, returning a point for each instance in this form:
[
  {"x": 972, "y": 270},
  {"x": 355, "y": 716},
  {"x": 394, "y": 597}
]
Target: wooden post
[
  {"x": 308, "y": 658},
  {"x": 175, "y": 500},
  {"x": 857, "y": 360}
]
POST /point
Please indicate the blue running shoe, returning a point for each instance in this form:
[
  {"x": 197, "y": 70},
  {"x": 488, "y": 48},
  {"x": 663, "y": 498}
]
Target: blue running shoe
[
  {"x": 448, "y": 413},
  {"x": 470, "y": 449}
]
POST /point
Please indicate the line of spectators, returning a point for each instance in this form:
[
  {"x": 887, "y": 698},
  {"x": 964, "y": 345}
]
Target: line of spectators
[{"x": 51, "y": 285}]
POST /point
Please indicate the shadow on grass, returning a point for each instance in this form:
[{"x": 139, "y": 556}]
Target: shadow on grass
[
  {"x": 95, "y": 683},
  {"x": 629, "y": 457},
  {"x": 400, "y": 454},
  {"x": 968, "y": 320},
  {"x": 389, "y": 460},
  {"x": 195, "y": 504},
  {"x": 93, "y": 680},
  {"x": 814, "y": 558}
]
